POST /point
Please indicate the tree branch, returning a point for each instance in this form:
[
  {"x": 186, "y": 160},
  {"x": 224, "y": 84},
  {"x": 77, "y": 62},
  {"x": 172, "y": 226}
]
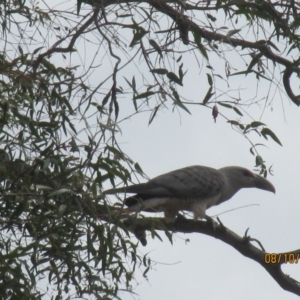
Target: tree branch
[
  {"x": 270, "y": 262},
  {"x": 185, "y": 25}
]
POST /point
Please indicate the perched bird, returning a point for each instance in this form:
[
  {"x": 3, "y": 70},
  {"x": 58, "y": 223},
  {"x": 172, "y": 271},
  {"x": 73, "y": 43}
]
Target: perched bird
[{"x": 194, "y": 189}]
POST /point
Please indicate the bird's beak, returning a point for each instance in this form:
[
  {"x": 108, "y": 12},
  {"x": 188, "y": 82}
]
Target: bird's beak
[{"x": 263, "y": 184}]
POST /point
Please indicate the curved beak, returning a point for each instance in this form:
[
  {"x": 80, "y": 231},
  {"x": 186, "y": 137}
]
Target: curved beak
[{"x": 263, "y": 184}]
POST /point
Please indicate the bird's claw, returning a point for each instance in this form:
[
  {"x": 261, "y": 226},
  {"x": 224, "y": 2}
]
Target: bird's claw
[{"x": 180, "y": 217}]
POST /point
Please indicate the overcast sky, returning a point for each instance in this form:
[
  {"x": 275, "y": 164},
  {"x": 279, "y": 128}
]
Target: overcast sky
[
  {"x": 197, "y": 266},
  {"x": 206, "y": 268}
]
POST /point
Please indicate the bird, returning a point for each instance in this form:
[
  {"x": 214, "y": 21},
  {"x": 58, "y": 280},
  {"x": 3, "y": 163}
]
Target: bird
[{"x": 193, "y": 189}]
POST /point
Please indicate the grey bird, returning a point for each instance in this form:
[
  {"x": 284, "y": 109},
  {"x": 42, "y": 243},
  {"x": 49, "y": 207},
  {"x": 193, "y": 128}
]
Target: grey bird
[{"x": 194, "y": 189}]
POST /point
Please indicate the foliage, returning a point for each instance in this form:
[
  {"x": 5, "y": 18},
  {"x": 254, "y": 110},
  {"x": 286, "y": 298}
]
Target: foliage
[{"x": 65, "y": 72}]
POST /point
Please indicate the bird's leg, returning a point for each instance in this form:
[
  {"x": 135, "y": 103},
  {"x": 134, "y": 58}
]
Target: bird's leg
[{"x": 170, "y": 215}]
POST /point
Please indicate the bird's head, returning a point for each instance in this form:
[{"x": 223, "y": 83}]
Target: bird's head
[{"x": 237, "y": 178}]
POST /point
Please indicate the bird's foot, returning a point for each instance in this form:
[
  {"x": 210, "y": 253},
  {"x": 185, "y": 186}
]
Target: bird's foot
[
  {"x": 180, "y": 217},
  {"x": 177, "y": 220}
]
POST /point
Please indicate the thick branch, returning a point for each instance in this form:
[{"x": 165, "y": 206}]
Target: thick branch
[
  {"x": 224, "y": 234},
  {"x": 286, "y": 82}
]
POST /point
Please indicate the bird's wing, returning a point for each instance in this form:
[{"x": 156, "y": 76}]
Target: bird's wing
[{"x": 193, "y": 181}]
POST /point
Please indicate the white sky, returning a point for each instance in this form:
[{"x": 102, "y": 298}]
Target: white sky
[{"x": 206, "y": 268}]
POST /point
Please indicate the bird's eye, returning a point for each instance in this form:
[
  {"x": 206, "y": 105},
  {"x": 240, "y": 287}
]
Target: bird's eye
[{"x": 248, "y": 173}]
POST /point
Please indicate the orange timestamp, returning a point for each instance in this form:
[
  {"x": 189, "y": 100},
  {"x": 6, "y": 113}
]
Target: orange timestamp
[{"x": 279, "y": 258}]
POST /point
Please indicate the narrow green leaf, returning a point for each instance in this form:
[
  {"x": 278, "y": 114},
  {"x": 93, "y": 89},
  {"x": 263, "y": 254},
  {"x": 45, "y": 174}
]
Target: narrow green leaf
[
  {"x": 106, "y": 98},
  {"x": 173, "y": 77},
  {"x": 197, "y": 37},
  {"x": 273, "y": 45},
  {"x": 268, "y": 132},
  {"x": 208, "y": 95},
  {"x": 138, "y": 168},
  {"x": 78, "y": 204},
  {"x": 215, "y": 112},
  {"x": 247, "y": 127},
  {"x": 232, "y": 122},
  {"x": 212, "y": 18},
  {"x": 127, "y": 81},
  {"x": 202, "y": 50},
  {"x": 232, "y": 32},
  {"x": 37, "y": 50},
  {"x": 79, "y": 2},
  {"x": 241, "y": 73},
  {"x": 50, "y": 67},
  {"x": 124, "y": 16},
  {"x": 138, "y": 35},
  {"x": 153, "y": 114},
  {"x": 209, "y": 79},
  {"x": 61, "y": 210},
  {"x": 146, "y": 271},
  {"x": 176, "y": 95},
  {"x": 180, "y": 72},
  {"x": 70, "y": 124},
  {"x": 259, "y": 161},
  {"x": 155, "y": 46},
  {"x": 103, "y": 255},
  {"x": 155, "y": 234},
  {"x": 180, "y": 104},
  {"x": 41, "y": 187},
  {"x": 135, "y": 104},
  {"x": 253, "y": 147},
  {"x": 114, "y": 150},
  {"x": 179, "y": 58},
  {"x": 167, "y": 232},
  {"x": 33, "y": 129},
  {"x": 133, "y": 84},
  {"x": 160, "y": 71},
  {"x": 256, "y": 124},
  {"x": 60, "y": 191},
  {"x": 254, "y": 61},
  {"x": 219, "y": 3},
  {"x": 144, "y": 95},
  {"x": 74, "y": 147},
  {"x": 66, "y": 102},
  {"x": 225, "y": 104},
  {"x": 20, "y": 50},
  {"x": 237, "y": 111}
]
